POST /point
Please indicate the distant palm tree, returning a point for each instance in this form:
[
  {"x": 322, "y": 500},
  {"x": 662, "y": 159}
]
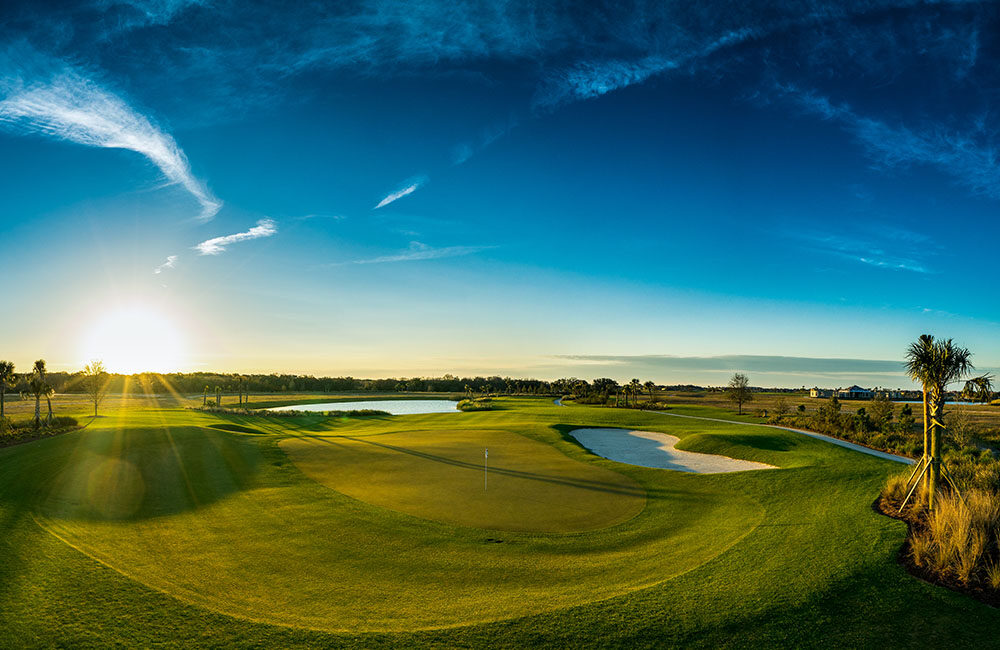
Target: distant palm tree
[
  {"x": 204, "y": 398},
  {"x": 650, "y": 387},
  {"x": 7, "y": 378},
  {"x": 977, "y": 389},
  {"x": 38, "y": 387},
  {"x": 935, "y": 364}
]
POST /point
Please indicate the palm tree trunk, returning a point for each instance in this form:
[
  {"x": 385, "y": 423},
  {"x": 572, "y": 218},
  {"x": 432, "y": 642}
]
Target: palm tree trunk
[
  {"x": 38, "y": 411},
  {"x": 48, "y": 418},
  {"x": 935, "y": 473},
  {"x": 3, "y": 392},
  {"x": 927, "y": 449}
]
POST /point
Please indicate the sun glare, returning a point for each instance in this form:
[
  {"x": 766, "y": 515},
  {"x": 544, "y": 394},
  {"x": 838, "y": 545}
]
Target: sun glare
[{"x": 134, "y": 339}]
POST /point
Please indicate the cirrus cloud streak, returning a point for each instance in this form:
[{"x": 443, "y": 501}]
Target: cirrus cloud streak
[{"x": 217, "y": 245}]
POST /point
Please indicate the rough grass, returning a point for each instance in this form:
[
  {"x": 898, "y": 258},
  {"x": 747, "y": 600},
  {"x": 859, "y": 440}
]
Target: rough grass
[{"x": 233, "y": 538}]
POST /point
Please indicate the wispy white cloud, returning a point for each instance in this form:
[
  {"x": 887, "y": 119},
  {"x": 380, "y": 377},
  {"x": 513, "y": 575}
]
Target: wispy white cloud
[
  {"x": 868, "y": 252},
  {"x": 967, "y": 156},
  {"x": 169, "y": 264},
  {"x": 67, "y": 106},
  {"x": 410, "y": 187},
  {"x": 216, "y": 245},
  {"x": 327, "y": 217},
  {"x": 419, "y": 251}
]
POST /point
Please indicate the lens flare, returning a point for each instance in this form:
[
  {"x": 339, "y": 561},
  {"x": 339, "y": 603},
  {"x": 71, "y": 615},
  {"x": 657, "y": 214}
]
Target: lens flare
[{"x": 134, "y": 339}]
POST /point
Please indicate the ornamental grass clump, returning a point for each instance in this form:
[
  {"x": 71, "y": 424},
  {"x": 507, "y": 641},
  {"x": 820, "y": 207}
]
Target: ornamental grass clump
[{"x": 959, "y": 541}]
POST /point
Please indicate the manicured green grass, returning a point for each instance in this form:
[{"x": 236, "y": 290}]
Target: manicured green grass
[
  {"x": 440, "y": 474},
  {"x": 158, "y": 526}
]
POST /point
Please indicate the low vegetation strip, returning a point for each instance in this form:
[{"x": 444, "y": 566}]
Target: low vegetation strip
[{"x": 290, "y": 413}]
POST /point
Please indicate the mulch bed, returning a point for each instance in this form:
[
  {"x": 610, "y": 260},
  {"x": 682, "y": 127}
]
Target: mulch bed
[
  {"x": 19, "y": 438},
  {"x": 915, "y": 523}
]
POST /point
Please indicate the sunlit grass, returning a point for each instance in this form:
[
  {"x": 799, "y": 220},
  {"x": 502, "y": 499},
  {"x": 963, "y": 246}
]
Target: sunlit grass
[{"x": 226, "y": 530}]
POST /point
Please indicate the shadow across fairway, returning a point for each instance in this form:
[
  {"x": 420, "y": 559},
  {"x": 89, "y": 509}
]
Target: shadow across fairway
[
  {"x": 237, "y": 428},
  {"x": 144, "y": 472},
  {"x": 583, "y": 484}
]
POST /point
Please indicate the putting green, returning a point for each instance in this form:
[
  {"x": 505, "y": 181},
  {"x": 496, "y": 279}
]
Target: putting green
[
  {"x": 439, "y": 475},
  {"x": 226, "y": 522}
]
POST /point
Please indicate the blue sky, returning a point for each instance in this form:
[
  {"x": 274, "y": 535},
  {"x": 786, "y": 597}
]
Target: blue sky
[{"x": 378, "y": 188}]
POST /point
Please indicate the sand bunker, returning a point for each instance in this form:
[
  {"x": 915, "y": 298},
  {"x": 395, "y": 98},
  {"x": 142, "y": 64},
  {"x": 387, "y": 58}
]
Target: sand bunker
[{"x": 651, "y": 449}]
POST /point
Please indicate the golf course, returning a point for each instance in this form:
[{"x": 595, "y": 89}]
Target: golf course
[{"x": 171, "y": 526}]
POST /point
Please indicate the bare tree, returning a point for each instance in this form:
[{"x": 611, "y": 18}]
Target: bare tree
[
  {"x": 95, "y": 382},
  {"x": 739, "y": 390},
  {"x": 960, "y": 427}
]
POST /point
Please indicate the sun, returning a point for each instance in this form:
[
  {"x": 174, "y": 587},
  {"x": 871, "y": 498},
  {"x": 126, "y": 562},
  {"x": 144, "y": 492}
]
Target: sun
[{"x": 134, "y": 339}]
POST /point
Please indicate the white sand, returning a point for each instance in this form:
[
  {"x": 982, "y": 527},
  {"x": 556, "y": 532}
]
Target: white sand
[{"x": 651, "y": 449}]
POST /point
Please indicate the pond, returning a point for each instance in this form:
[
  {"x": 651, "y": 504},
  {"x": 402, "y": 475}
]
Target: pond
[{"x": 393, "y": 406}]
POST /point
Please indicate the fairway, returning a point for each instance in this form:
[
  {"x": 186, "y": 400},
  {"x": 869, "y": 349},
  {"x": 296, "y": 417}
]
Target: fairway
[
  {"x": 407, "y": 539},
  {"x": 440, "y": 475},
  {"x": 315, "y": 531}
]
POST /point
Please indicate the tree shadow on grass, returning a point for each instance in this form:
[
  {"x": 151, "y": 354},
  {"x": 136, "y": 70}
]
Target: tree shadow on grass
[{"x": 144, "y": 472}]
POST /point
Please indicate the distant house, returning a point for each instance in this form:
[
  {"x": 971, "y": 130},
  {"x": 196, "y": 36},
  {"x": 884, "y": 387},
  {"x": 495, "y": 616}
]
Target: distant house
[
  {"x": 854, "y": 392},
  {"x": 820, "y": 392},
  {"x": 888, "y": 393}
]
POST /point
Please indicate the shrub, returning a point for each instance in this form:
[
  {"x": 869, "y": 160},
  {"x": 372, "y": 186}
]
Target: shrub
[
  {"x": 288, "y": 413},
  {"x": 477, "y": 404}
]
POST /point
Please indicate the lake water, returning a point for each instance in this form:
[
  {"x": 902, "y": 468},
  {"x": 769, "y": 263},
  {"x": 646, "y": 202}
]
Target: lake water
[
  {"x": 958, "y": 403},
  {"x": 393, "y": 406}
]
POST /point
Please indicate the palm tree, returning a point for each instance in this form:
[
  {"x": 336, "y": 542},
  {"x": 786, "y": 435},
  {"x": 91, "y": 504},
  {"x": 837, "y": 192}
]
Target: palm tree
[
  {"x": 919, "y": 359},
  {"x": 38, "y": 388},
  {"x": 977, "y": 389},
  {"x": 635, "y": 385},
  {"x": 650, "y": 387},
  {"x": 218, "y": 395},
  {"x": 935, "y": 364},
  {"x": 47, "y": 391},
  {"x": 7, "y": 378}
]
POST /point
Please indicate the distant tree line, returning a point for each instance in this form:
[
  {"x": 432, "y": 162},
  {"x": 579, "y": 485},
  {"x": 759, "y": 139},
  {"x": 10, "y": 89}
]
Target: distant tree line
[{"x": 243, "y": 384}]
